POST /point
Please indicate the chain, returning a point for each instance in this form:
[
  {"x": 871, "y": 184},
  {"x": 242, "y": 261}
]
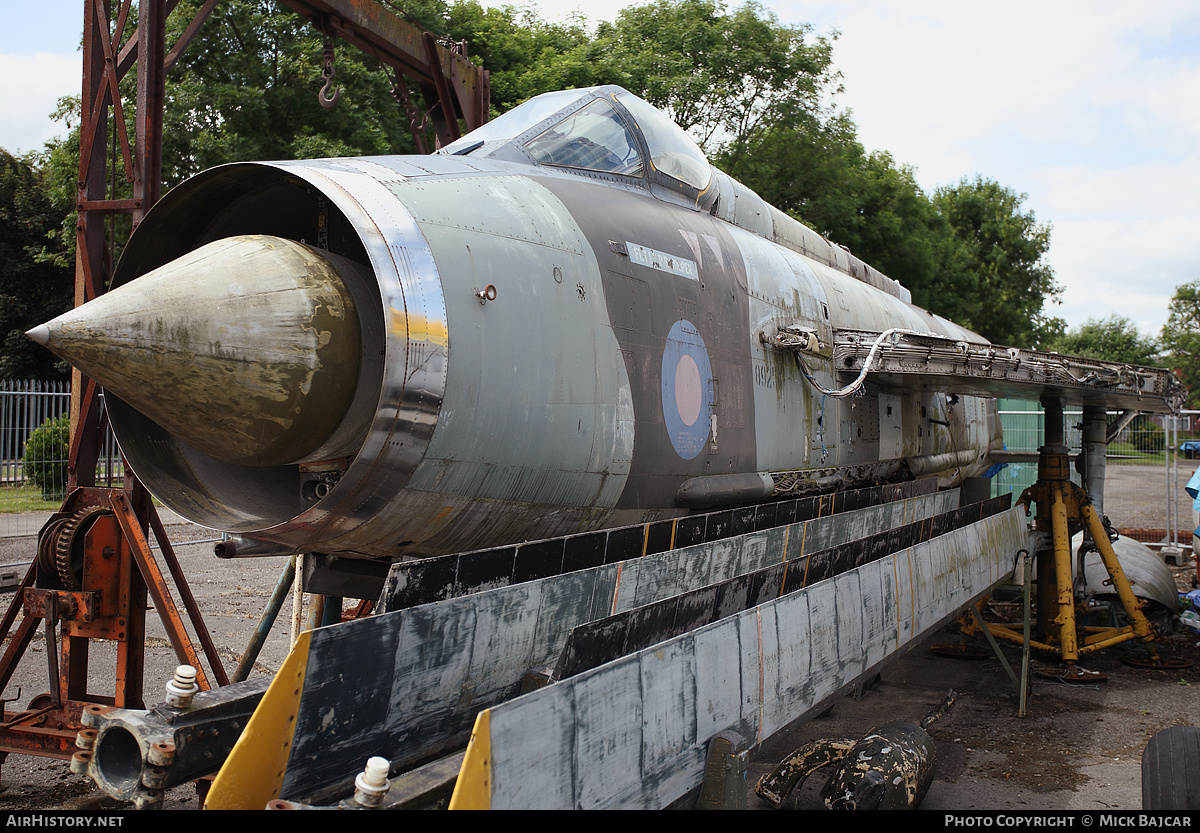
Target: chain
[{"x": 326, "y": 100}]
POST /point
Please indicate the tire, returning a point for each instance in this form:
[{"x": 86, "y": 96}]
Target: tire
[{"x": 1171, "y": 770}]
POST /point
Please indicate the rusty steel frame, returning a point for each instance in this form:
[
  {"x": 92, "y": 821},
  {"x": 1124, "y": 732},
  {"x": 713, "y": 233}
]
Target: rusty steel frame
[
  {"x": 453, "y": 89},
  {"x": 118, "y": 574}
]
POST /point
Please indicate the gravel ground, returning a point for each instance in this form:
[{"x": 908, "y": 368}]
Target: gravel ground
[
  {"x": 1077, "y": 748},
  {"x": 1137, "y": 497}
]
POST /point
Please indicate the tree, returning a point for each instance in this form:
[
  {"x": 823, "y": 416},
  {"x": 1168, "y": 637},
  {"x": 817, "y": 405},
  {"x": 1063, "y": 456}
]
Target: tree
[
  {"x": 754, "y": 92},
  {"x": 524, "y": 55},
  {"x": 36, "y": 283},
  {"x": 1003, "y": 248},
  {"x": 46, "y": 455},
  {"x": 721, "y": 75},
  {"x": 1181, "y": 338},
  {"x": 246, "y": 88},
  {"x": 1115, "y": 339}
]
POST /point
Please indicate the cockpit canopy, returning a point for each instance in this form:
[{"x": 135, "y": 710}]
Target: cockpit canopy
[
  {"x": 609, "y": 133},
  {"x": 600, "y": 130}
]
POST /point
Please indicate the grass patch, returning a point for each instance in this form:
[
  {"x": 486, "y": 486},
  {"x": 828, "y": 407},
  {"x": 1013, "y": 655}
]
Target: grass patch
[
  {"x": 26, "y": 497},
  {"x": 1127, "y": 453}
]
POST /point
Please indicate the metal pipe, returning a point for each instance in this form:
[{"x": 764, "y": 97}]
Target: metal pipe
[
  {"x": 186, "y": 597},
  {"x": 1095, "y": 426},
  {"x": 297, "y": 603},
  {"x": 1170, "y": 536},
  {"x": 1062, "y": 574},
  {"x": 1133, "y": 607},
  {"x": 282, "y": 588},
  {"x": 242, "y": 546},
  {"x": 1052, "y": 432},
  {"x": 128, "y": 751}
]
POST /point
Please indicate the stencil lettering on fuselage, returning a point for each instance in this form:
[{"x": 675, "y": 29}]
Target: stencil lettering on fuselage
[
  {"x": 686, "y": 389},
  {"x": 662, "y": 261}
]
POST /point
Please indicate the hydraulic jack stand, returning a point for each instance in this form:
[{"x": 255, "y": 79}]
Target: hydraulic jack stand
[{"x": 1063, "y": 508}]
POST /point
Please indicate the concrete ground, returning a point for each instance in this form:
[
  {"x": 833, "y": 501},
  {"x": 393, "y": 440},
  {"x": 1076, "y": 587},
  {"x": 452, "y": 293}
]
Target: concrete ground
[{"x": 1078, "y": 746}]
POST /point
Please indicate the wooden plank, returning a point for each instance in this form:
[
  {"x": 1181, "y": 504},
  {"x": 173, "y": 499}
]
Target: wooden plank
[{"x": 627, "y": 766}]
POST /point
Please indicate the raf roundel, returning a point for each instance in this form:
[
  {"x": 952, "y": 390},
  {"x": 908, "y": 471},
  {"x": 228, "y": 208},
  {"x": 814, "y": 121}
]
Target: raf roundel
[{"x": 686, "y": 389}]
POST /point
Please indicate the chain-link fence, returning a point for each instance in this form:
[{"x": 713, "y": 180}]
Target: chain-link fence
[
  {"x": 34, "y": 449},
  {"x": 1147, "y": 467}
]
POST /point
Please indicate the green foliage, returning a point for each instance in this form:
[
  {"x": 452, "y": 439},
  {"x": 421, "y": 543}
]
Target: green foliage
[
  {"x": 1001, "y": 279},
  {"x": 46, "y": 456},
  {"x": 969, "y": 253},
  {"x": 721, "y": 75},
  {"x": 754, "y": 92},
  {"x": 1145, "y": 436},
  {"x": 1181, "y": 338},
  {"x": 524, "y": 55},
  {"x": 1115, "y": 338},
  {"x": 35, "y": 283},
  {"x": 246, "y": 88}
]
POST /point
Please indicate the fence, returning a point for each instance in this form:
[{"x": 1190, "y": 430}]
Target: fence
[
  {"x": 1145, "y": 469},
  {"x": 33, "y": 466}
]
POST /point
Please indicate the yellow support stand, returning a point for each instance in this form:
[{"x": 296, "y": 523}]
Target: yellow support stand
[{"x": 1060, "y": 508}]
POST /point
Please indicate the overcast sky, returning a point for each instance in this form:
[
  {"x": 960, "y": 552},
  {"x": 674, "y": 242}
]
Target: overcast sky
[{"x": 1092, "y": 109}]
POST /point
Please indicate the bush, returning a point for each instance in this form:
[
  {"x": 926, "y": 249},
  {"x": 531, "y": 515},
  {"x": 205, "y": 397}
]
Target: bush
[
  {"x": 46, "y": 456},
  {"x": 1145, "y": 436}
]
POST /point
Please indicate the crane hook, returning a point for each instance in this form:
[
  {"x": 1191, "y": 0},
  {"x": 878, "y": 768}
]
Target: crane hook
[{"x": 323, "y": 97}]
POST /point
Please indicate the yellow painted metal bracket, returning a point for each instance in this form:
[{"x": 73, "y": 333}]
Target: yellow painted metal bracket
[
  {"x": 473, "y": 790},
  {"x": 1060, "y": 504},
  {"x": 253, "y": 773}
]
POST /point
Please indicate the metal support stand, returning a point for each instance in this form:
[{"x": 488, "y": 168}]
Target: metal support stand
[
  {"x": 1061, "y": 508},
  {"x": 1026, "y": 594},
  {"x": 92, "y": 578}
]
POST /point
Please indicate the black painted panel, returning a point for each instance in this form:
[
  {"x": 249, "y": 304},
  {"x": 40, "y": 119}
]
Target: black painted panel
[{"x": 434, "y": 579}]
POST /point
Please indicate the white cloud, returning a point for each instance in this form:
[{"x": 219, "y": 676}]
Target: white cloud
[
  {"x": 1129, "y": 268},
  {"x": 1150, "y": 190},
  {"x": 1091, "y": 109},
  {"x": 35, "y": 84}
]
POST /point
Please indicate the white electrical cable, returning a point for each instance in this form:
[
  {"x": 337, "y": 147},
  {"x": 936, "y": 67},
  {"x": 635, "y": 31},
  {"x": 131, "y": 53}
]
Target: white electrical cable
[{"x": 853, "y": 387}]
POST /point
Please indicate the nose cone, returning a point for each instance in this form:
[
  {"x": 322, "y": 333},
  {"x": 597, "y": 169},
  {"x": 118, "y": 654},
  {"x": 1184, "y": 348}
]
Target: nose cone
[{"x": 247, "y": 348}]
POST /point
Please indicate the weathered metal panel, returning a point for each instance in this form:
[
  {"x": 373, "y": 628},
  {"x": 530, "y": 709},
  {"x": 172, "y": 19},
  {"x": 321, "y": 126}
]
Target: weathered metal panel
[
  {"x": 504, "y": 639},
  {"x": 449, "y": 659},
  {"x": 965, "y": 367},
  {"x": 554, "y": 755},
  {"x": 836, "y": 622},
  {"x": 771, "y": 671},
  {"x": 417, "y": 582},
  {"x": 906, "y": 603},
  {"x": 594, "y": 643},
  {"x": 566, "y": 391},
  {"x": 668, "y": 682},
  {"x": 875, "y": 597},
  {"x": 600, "y": 775},
  {"x": 796, "y": 681}
]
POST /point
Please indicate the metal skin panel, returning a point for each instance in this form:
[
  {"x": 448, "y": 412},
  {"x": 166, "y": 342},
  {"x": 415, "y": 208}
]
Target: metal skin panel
[
  {"x": 546, "y": 351},
  {"x": 442, "y": 662},
  {"x": 500, "y": 386},
  {"x": 748, "y": 649},
  {"x": 647, "y": 305},
  {"x": 784, "y": 291}
]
